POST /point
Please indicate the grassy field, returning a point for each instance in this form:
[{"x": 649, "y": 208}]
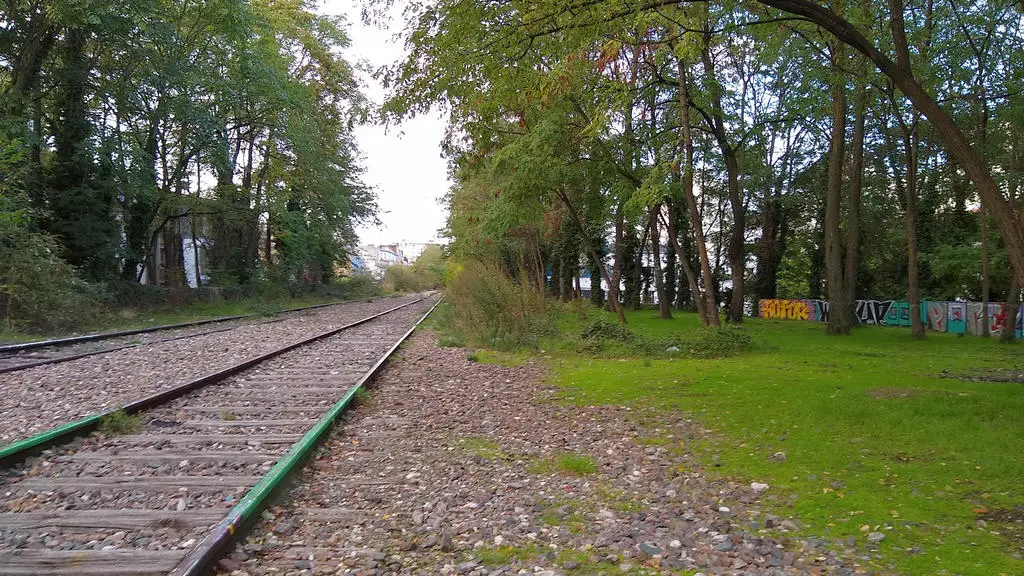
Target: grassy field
[{"x": 881, "y": 433}]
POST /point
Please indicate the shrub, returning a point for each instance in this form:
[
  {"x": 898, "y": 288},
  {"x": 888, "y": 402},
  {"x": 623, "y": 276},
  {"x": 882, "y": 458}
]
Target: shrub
[
  {"x": 602, "y": 329},
  {"x": 402, "y": 278},
  {"x": 357, "y": 285},
  {"x": 37, "y": 288},
  {"x": 131, "y": 294},
  {"x": 489, "y": 308}
]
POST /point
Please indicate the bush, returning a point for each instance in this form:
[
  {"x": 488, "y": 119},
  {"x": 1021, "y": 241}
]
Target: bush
[
  {"x": 402, "y": 278},
  {"x": 358, "y": 285},
  {"x": 488, "y": 308},
  {"x": 38, "y": 289},
  {"x": 602, "y": 329},
  {"x": 131, "y": 294}
]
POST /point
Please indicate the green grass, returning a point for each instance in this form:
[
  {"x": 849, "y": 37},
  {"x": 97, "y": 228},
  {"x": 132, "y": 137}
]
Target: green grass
[
  {"x": 872, "y": 435},
  {"x": 485, "y": 448},
  {"x": 566, "y": 463},
  {"x": 506, "y": 359}
]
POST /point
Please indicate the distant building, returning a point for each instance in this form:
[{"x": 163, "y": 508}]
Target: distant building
[{"x": 375, "y": 259}]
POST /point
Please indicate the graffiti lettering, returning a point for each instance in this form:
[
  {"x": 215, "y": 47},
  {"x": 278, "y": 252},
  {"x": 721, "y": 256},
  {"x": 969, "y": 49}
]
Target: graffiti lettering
[
  {"x": 936, "y": 315},
  {"x": 873, "y": 311},
  {"x": 818, "y": 310},
  {"x": 954, "y": 317},
  {"x": 784, "y": 309}
]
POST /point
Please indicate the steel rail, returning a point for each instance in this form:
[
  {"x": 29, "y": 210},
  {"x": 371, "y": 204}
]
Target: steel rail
[
  {"x": 202, "y": 558},
  {"x": 115, "y": 334},
  {"x": 59, "y": 359},
  {"x": 21, "y": 449}
]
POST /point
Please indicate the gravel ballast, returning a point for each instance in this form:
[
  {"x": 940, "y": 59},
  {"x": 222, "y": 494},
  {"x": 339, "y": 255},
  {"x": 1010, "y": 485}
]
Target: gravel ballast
[
  {"x": 456, "y": 467},
  {"x": 37, "y": 399}
]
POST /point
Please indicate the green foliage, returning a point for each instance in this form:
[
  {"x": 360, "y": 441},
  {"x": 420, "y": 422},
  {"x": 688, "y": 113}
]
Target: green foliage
[
  {"x": 404, "y": 278},
  {"x": 118, "y": 423},
  {"x": 606, "y": 338},
  {"x": 358, "y": 285},
  {"x": 38, "y": 290},
  {"x": 139, "y": 123},
  {"x": 491, "y": 309}
]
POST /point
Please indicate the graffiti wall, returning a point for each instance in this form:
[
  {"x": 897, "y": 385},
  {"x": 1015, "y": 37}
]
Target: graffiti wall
[{"x": 955, "y": 317}]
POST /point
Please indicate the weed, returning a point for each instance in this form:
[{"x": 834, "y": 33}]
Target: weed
[
  {"x": 578, "y": 464},
  {"x": 228, "y": 416},
  {"x": 472, "y": 357},
  {"x": 569, "y": 463},
  {"x": 482, "y": 447},
  {"x": 119, "y": 422},
  {"x": 362, "y": 396}
]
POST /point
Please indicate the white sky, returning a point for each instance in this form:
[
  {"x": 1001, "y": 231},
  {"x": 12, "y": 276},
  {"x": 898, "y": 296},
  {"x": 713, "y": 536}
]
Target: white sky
[{"x": 403, "y": 163}]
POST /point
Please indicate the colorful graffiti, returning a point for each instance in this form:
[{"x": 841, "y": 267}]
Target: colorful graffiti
[
  {"x": 936, "y": 314},
  {"x": 784, "y": 309},
  {"x": 954, "y": 317}
]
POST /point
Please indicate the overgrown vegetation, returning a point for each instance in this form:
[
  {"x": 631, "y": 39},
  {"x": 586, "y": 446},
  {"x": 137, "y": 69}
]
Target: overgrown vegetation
[
  {"x": 487, "y": 307},
  {"x": 426, "y": 273},
  {"x": 119, "y": 423},
  {"x": 605, "y": 337}
]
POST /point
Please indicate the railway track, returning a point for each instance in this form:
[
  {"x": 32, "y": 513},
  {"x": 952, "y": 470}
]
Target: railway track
[
  {"x": 169, "y": 497},
  {"x": 14, "y": 357},
  {"x": 37, "y": 399}
]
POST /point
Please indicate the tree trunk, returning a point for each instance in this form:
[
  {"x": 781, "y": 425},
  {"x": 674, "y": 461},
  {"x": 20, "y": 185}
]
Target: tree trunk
[
  {"x": 684, "y": 262},
  {"x": 737, "y": 261},
  {"x": 696, "y": 223},
  {"x": 737, "y": 265},
  {"x": 664, "y": 306},
  {"x": 838, "y": 318},
  {"x": 917, "y": 328},
  {"x": 860, "y": 97},
  {"x": 1009, "y": 333},
  {"x": 986, "y": 283},
  {"x": 766, "y": 272},
  {"x": 616, "y": 278},
  {"x": 613, "y": 292}
]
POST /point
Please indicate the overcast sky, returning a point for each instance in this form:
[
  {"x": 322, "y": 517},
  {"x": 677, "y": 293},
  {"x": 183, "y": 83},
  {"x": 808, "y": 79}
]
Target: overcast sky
[{"x": 403, "y": 163}]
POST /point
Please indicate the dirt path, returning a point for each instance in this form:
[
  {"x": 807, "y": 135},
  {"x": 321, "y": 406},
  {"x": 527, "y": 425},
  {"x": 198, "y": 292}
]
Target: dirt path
[{"x": 456, "y": 467}]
